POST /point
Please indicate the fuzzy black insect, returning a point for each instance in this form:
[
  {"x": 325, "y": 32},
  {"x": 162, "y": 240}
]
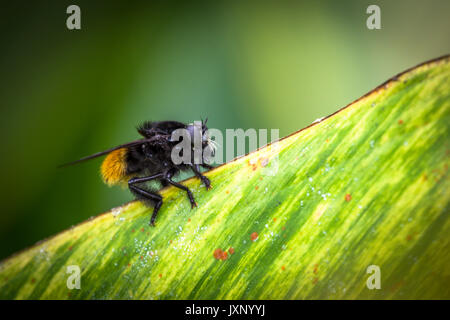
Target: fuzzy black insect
[{"x": 148, "y": 159}]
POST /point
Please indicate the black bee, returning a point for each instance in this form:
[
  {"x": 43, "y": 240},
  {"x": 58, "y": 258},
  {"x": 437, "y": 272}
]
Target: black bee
[{"x": 144, "y": 160}]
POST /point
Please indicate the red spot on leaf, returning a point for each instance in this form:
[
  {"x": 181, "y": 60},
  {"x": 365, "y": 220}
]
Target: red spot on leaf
[
  {"x": 33, "y": 280},
  {"x": 348, "y": 197},
  {"x": 70, "y": 248},
  {"x": 254, "y": 236},
  {"x": 160, "y": 275},
  {"x": 142, "y": 230},
  {"x": 189, "y": 220},
  {"x": 400, "y": 121},
  {"x": 315, "y": 280},
  {"x": 231, "y": 250},
  {"x": 283, "y": 268},
  {"x": 132, "y": 230},
  {"x": 256, "y": 188},
  {"x": 411, "y": 236},
  {"x": 396, "y": 286},
  {"x": 316, "y": 268},
  {"x": 219, "y": 254}
]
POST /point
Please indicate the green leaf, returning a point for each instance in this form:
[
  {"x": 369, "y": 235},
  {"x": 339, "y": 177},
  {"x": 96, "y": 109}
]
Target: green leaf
[{"x": 305, "y": 217}]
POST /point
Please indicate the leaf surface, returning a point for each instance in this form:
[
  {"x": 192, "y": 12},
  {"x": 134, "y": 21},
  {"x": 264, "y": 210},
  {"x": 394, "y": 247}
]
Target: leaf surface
[{"x": 302, "y": 218}]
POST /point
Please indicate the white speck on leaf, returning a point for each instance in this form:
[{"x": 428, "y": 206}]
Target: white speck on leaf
[{"x": 116, "y": 211}]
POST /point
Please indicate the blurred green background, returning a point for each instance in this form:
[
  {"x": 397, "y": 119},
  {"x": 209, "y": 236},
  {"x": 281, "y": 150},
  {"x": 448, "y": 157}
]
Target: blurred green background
[{"x": 66, "y": 94}]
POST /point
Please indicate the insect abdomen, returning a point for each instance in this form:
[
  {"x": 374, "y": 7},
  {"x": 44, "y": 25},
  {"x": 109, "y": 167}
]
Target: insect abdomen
[{"x": 114, "y": 167}]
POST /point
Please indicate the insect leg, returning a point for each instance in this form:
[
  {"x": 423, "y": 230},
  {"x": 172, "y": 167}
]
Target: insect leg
[
  {"x": 164, "y": 183},
  {"x": 145, "y": 179},
  {"x": 146, "y": 195},
  {"x": 180, "y": 186},
  {"x": 204, "y": 179}
]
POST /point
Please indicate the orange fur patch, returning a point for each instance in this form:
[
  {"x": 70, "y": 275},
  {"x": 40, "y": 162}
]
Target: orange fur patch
[{"x": 114, "y": 169}]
